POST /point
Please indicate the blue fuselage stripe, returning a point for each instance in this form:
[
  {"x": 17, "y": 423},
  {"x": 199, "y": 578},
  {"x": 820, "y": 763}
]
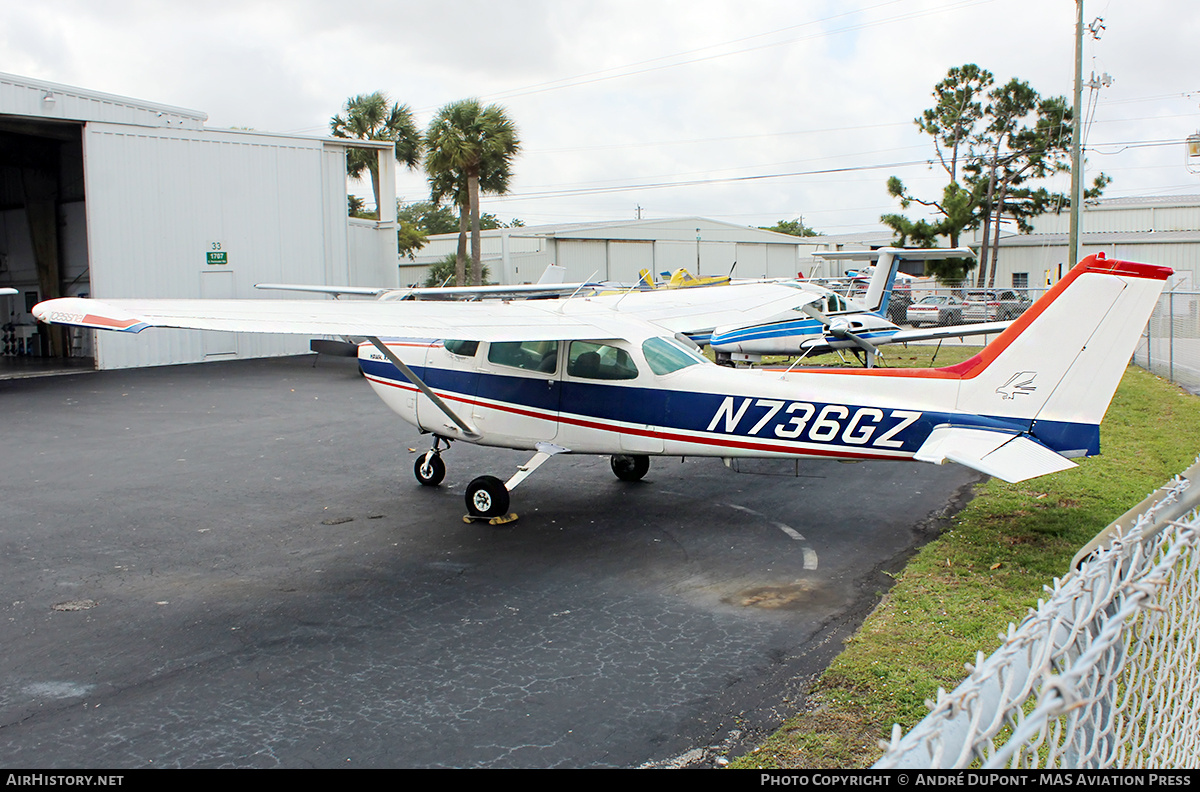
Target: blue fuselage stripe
[{"x": 701, "y": 415}]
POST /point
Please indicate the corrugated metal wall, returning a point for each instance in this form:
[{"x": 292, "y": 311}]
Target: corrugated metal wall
[
  {"x": 159, "y": 201},
  {"x": 1046, "y": 264},
  {"x": 1124, "y": 218},
  {"x": 583, "y": 259}
]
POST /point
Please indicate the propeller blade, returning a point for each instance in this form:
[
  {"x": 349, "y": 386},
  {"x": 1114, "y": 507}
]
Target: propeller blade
[{"x": 840, "y": 331}]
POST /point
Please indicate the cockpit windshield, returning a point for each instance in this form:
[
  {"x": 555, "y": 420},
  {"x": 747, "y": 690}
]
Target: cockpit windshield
[{"x": 665, "y": 355}]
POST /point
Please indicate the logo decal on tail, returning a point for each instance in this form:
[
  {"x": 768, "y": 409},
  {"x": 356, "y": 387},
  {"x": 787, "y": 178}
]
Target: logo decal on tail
[{"x": 1019, "y": 384}]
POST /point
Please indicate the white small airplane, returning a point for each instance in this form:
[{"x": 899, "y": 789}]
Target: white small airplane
[
  {"x": 575, "y": 376},
  {"x": 835, "y": 323},
  {"x": 742, "y": 320}
]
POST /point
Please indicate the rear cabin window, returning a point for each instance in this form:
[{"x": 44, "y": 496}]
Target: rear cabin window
[
  {"x": 589, "y": 360},
  {"x": 464, "y": 348},
  {"x": 539, "y": 356}
]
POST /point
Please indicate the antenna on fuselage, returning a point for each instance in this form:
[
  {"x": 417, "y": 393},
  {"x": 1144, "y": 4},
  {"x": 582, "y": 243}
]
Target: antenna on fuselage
[
  {"x": 577, "y": 290},
  {"x": 632, "y": 288}
]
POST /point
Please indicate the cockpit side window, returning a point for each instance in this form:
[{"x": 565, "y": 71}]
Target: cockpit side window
[{"x": 590, "y": 360}]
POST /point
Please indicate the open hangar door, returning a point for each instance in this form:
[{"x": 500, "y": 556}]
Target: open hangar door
[{"x": 43, "y": 241}]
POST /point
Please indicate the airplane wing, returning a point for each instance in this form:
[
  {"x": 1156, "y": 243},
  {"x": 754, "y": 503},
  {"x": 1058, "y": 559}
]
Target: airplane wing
[
  {"x": 697, "y": 311},
  {"x": 469, "y": 321},
  {"x": 437, "y": 292},
  {"x": 1005, "y": 455},
  {"x": 336, "y": 291},
  {"x": 950, "y": 331},
  {"x": 549, "y": 285}
]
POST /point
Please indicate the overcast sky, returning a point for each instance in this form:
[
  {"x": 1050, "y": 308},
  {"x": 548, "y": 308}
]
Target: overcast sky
[{"x": 817, "y": 98}]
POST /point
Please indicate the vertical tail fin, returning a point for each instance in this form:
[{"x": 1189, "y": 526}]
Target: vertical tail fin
[
  {"x": 879, "y": 289},
  {"x": 1059, "y": 364}
]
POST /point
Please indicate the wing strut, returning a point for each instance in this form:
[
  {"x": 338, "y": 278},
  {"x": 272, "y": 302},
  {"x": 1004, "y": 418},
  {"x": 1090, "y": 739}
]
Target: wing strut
[{"x": 412, "y": 377}]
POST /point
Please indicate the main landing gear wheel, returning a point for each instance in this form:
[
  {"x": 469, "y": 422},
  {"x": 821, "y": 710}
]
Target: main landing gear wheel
[
  {"x": 630, "y": 467},
  {"x": 487, "y": 498},
  {"x": 430, "y": 469}
]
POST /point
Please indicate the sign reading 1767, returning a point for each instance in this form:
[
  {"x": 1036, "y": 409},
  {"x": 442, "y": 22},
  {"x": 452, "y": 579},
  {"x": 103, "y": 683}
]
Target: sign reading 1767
[{"x": 216, "y": 256}]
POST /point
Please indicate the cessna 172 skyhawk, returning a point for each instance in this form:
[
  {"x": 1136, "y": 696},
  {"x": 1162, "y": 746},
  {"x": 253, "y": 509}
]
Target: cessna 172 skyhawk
[{"x": 574, "y": 376}]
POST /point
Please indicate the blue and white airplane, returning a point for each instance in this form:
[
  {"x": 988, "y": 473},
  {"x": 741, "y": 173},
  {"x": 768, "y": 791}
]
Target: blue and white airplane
[
  {"x": 834, "y": 323},
  {"x": 576, "y": 376}
]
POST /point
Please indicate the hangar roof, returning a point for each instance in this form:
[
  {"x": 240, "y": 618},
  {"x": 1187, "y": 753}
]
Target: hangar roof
[{"x": 41, "y": 99}]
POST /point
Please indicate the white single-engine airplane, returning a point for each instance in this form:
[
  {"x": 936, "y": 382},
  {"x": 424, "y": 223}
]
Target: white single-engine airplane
[
  {"x": 835, "y": 323},
  {"x": 744, "y": 320},
  {"x": 575, "y": 376}
]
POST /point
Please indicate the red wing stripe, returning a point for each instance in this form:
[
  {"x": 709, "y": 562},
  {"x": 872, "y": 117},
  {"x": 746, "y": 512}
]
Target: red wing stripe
[{"x": 104, "y": 321}]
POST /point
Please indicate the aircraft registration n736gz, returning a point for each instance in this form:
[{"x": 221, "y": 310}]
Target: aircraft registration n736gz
[{"x": 575, "y": 376}]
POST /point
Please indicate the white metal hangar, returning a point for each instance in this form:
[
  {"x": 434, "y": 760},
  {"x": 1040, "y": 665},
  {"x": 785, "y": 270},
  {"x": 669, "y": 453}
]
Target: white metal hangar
[
  {"x": 1154, "y": 229},
  {"x": 114, "y": 197},
  {"x": 618, "y": 250}
]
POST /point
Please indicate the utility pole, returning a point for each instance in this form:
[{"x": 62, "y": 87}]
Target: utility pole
[{"x": 1076, "y": 134}]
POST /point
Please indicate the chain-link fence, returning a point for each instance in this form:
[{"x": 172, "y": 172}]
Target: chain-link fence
[
  {"x": 1170, "y": 346},
  {"x": 1102, "y": 674}
]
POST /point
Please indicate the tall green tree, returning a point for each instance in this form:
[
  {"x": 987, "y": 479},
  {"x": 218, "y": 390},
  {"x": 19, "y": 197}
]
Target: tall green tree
[
  {"x": 421, "y": 219},
  {"x": 993, "y": 142},
  {"x": 470, "y": 149},
  {"x": 375, "y": 117},
  {"x": 794, "y": 227},
  {"x": 954, "y": 123}
]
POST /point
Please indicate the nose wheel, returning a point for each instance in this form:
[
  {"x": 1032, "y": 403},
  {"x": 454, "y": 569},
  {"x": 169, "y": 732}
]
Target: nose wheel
[{"x": 430, "y": 469}]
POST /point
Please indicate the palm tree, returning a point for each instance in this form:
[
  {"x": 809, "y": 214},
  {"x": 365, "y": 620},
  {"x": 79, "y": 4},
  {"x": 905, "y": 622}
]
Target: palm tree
[
  {"x": 369, "y": 117},
  {"x": 470, "y": 146},
  {"x": 450, "y": 186}
]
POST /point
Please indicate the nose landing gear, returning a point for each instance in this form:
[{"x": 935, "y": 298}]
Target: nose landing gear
[{"x": 429, "y": 468}]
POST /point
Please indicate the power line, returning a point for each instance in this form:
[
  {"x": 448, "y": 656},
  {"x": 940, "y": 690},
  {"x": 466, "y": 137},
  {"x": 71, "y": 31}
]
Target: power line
[
  {"x": 723, "y": 139},
  {"x": 604, "y": 74},
  {"x": 697, "y": 182},
  {"x": 629, "y": 70}
]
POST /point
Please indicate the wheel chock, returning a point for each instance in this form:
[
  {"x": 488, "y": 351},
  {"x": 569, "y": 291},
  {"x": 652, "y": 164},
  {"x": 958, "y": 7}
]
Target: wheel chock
[{"x": 504, "y": 520}]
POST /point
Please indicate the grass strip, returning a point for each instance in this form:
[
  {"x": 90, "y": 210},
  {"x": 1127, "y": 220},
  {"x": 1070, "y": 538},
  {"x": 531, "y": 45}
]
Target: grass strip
[{"x": 985, "y": 571}]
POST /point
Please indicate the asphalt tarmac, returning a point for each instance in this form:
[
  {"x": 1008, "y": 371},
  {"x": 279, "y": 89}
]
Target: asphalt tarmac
[{"x": 231, "y": 565}]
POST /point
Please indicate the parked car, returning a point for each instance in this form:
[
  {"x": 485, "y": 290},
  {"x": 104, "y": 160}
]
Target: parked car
[
  {"x": 994, "y": 305},
  {"x": 936, "y": 309},
  {"x": 898, "y": 305}
]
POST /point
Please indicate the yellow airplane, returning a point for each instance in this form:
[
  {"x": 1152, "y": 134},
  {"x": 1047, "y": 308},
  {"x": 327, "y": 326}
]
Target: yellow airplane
[{"x": 680, "y": 279}]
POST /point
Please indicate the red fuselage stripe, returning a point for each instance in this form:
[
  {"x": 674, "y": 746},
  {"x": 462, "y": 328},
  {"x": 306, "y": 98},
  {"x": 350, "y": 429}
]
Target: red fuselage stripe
[{"x": 706, "y": 441}]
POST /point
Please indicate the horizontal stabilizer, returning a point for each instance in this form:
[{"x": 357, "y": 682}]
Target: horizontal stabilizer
[
  {"x": 1005, "y": 455},
  {"x": 949, "y": 331},
  {"x": 908, "y": 254}
]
